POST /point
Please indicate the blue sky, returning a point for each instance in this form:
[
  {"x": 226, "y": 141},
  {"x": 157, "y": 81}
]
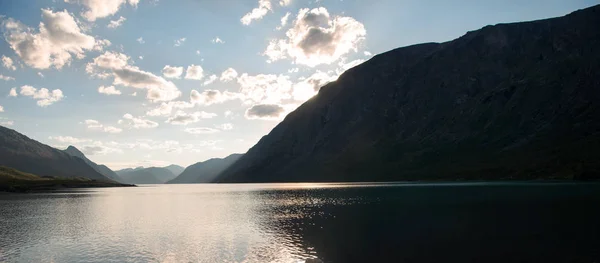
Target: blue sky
[{"x": 148, "y": 82}]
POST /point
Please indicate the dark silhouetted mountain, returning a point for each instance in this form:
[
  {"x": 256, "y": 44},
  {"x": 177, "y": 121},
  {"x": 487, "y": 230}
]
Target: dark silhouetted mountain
[
  {"x": 175, "y": 169},
  {"x": 509, "y": 101},
  {"x": 151, "y": 175},
  {"x": 71, "y": 150},
  {"x": 205, "y": 172},
  {"x": 30, "y": 156}
]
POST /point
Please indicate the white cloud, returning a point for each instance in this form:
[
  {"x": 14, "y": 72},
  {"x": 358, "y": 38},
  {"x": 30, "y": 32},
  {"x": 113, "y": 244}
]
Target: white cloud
[
  {"x": 40, "y": 74},
  {"x": 368, "y": 54},
  {"x": 265, "y": 88},
  {"x": 228, "y": 114},
  {"x": 137, "y": 123},
  {"x": 134, "y": 94},
  {"x": 208, "y": 97},
  {"x": 93, "y": 124},
  {"x": 110, "y": 90},
  {"x": 197, "y": 52},
  {"x": 293, "y": 70},
  {"x": 7, "y": 78},
  {"x": 210, "y": 80},
  {"x": 284, "y": 20},
  {"x": 8, "y": 63},
  {"x": 266, "y": 112},
  {"x": 317, "y": 38},
  {"x": 264, "y": 6},
  {"x": 228, "y": 75},
  {"x": 116, "y": 65},
  {"x": 112, "y": 129},
  {"x": 12, "y": 92},
  {"x": 1, "y": 108},
  {"x": 217, "y": 40},
  {"x": 309, "y": 87},
  {"x": 116, "y": 23},
  {"x": 101, "y": 8},
  {"x": 179, "y": 42},
  {"x": 141, "y": 57},
  {"x": 166, "y": 108},
  {"x": 172, "y": 72},
  {"x": 101, "y": 44},
  {"x": 59, "y": 38},
  {"x": 285, "y": 2},
  {"x": 141, "y": 40},
  {"x": 43, "y": 96},
  {"x": 201, "y": 130},
  {"x": 7, "y": 123},
  {"x": 225, "y": 126},
  {"x": 194, "y": 72},
  {"x": 68, "y": 139},
  {"x": 182, "y": 118},
  {"x": 348, "y": 65}
]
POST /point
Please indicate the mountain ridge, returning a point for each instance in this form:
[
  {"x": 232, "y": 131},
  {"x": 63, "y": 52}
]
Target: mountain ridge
[
  {"x": 507, "y": 101},
  {"x": 206, "y": 171},
  {"x": 100, "y": 168}
]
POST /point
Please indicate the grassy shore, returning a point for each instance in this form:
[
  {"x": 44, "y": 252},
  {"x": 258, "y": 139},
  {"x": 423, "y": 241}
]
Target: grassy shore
[{"x": 12, "y": 180}]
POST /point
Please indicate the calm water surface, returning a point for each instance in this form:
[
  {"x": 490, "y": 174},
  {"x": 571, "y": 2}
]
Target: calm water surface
[{"x": 475, "y": 222}]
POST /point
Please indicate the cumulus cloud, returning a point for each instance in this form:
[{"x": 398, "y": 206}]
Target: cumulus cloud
[
  {"x": 228, "y": 75},
  {"x": 309, "y": 87},
  {"x": 96, "y": 125},
  {"x": 208, "y": 97},
  {"x": 194, "y": 72},
  {"x": 141, "y": 40},
  {"x": 12, "y": 92},
  {"x": 225, "y": 126},
  {"x": 265, "y": 88},
  {"x": 317, "y": 38},
  {"x": 201, "y": 130},
  {"x": 172, "y": 72},
  {"x": 68, "y": 139},
  {"x": 43, "y": 96},
  {"x": 265, "y": 111},
  {"x": 182, "y": 118},
  {"x": 116, "y": 23},
  {"x": 137, "y": 123},
  {"x": 217, "y": 40},
  {"x": 264, "y": 6},
  {"x": 210, "y": 80},
  {"x": 58, "y": 39},
  {"x": 8, "y": 63},
  {"x": 101, "y": 8},
  {"x": 165, "y": 108},
  {"x": 1, "y": 108},
  {"x": 110, "y": 90},
  {"x": 285, "y": 2},
  {"x": 7, "y": 78},
  {"x": 117, "y": 65},
  {"x": 284, "y": 20},
  {"x": 179, "y": 42}
]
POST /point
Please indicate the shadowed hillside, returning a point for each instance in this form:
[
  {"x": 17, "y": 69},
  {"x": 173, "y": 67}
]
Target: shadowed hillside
[{"x": 205, "y": 172}]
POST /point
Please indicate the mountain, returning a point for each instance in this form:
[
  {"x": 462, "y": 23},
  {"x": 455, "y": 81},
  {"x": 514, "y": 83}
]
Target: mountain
[
  {"x": 151, "y": 175},
  {"x": 102, "y": 169},
  {"x": 509, "y": 101},
  {"x": 24, "y": 154},
  {"x": 126, "y": 170},
  {"x": 205, "y": 172},
  {"x": 175, "y": 169}
]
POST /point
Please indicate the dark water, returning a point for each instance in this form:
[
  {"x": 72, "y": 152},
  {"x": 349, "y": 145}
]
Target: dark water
[{"x": 500, "y": 222}]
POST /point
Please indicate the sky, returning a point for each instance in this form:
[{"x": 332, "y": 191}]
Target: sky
[{"x": 158, "y": 82}]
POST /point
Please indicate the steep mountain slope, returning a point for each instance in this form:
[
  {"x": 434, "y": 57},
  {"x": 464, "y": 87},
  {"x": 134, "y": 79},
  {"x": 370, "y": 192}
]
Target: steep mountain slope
[
  {"x": 175, "y": 169},
  {"x": 29, "y": 156},
  {"x": 151, "y": 175},
  {"x": 205, "y": 172},
  {"x": 126, "y": 170},
  {"x": 102, "y": 169},
  {"x": 507, "y": 101}
]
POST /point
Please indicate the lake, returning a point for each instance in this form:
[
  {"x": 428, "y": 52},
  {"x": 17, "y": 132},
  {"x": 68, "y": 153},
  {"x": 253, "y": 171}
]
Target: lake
[{"x": 445, "y": 222}]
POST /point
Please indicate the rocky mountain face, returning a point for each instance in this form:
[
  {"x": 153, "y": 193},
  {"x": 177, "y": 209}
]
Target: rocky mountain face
[
  {"x": 151, "y": 175},
  {"x": 509, "y": 101},
  {"x": 205, "y": 172},
  {"x": 102, "y": 169},
  {"x": 22, "y": 153}
]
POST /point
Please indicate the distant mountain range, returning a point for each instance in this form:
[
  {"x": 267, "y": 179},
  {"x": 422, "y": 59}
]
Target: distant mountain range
[
  {"x": 24, "y": 154},
  {"x": 205, "y": 172},
  {"x": 509, "y": 101},
  {"x": 151, "y": 175}
]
